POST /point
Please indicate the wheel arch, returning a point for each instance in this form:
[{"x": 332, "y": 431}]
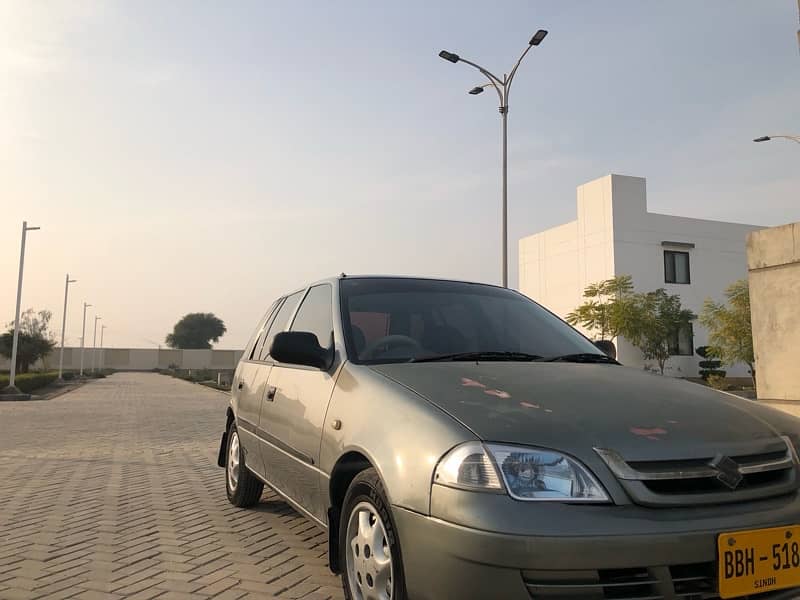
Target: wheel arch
[{"x": 346, "y": 468}]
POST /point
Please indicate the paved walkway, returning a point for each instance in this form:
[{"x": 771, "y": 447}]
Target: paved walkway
[{"x": 112, "y": 491}]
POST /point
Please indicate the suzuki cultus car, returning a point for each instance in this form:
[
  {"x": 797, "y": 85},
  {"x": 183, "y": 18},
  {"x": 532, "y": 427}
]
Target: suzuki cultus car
[{"x": 457, "y": 441}]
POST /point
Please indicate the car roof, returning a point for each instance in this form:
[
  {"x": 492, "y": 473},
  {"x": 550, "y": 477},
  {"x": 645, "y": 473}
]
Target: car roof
[
  {"x": 342, "y": 276},
  {"x": 447, "y": 279}
]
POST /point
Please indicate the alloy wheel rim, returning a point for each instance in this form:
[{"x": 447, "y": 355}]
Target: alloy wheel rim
[
  {"x": 369, "y": 558},
  {"x": 233, "y": 462}
]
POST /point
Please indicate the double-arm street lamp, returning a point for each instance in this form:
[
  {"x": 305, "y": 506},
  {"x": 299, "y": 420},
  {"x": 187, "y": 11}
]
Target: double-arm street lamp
[
  {"x": 94, "y": 342},
  {"x": 766, "y": 138},
  {"x": 83, "y": 334},
  {"x": 63, "y": 327},
  {"x": 102, "y": 348},
  {"x": 503, "y": 88}
]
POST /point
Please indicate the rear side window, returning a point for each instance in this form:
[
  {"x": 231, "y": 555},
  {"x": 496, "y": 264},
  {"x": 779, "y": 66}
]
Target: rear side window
[
  {"x": 314, "y": 315},
  {"x": 258, "y": 335},
  {"x": 279, "y": 323},
  {"x": 254, "y": 355}
]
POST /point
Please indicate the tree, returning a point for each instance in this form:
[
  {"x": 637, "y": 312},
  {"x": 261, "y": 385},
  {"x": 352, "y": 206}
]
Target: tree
[
  {"x": 730, "y": 333},
  {"x": 35, "y": 339},
  {"x": 651, "y": 321},
  {"x": 605, "y": 308},
  {"x": 196, "y": 331}
]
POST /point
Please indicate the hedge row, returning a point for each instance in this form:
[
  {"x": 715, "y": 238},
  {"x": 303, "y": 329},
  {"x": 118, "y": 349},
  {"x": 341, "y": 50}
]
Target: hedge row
[{"x": 27, "y": 382}]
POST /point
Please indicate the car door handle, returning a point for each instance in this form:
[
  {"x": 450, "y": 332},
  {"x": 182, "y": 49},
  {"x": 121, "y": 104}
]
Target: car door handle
[{"x": 271, "y": 393}]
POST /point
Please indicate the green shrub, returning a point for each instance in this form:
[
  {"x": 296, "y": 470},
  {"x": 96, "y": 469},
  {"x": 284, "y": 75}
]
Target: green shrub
[
  {"x": 68, "y": 376},
  {"x": 28, "y": 382},
  {"x": 709, "y": 366}
]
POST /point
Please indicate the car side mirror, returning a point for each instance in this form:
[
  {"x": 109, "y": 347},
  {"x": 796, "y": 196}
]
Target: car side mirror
[
  {"x": 301, "y": 348},
  {"x": 607, "y": 347}
]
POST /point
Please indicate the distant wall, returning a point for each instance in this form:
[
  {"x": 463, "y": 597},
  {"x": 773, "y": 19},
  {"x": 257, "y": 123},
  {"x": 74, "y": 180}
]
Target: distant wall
[
  {"x": 138, "y": 359},
  {"x": 773, "y": 262}
]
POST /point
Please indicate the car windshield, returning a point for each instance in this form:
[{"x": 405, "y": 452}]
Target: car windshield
[{"x": 403, "y": 320}]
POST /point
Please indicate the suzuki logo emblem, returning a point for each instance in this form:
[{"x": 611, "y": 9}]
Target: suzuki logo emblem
[{"x": 728, "y": 472}]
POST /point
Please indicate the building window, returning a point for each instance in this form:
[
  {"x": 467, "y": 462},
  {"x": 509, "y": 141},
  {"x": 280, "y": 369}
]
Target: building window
[
  {"x": 682, "y": 341},
  {"x": 676, "y": 267}
]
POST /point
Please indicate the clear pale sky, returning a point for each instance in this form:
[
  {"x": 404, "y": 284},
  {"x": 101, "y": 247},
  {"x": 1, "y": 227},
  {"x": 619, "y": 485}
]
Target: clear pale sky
[{"x": 208, "y": 156}]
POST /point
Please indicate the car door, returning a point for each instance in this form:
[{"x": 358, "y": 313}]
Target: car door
[
  {"x": 248, "y": 387},
  {"x": 259, "y": 384},
  {"x": 293, "y": 417}
]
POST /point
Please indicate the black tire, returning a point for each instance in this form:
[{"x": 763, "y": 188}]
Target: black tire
[
  {"x": 247, "y": 489},
  {"x": 368, "y": 487}
]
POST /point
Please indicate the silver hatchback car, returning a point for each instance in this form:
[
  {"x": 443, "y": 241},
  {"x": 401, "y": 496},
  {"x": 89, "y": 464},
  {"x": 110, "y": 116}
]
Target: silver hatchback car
[{"x": 457, "y": 440}]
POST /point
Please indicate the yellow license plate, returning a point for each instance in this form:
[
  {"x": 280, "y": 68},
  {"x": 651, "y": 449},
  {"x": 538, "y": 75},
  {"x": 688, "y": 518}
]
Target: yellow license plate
[{"x": 763, "y": 560}]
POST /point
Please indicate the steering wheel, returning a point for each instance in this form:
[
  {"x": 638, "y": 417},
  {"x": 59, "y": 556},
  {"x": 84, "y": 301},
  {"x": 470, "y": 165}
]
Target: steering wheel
[{"x": 389, "y": 340}]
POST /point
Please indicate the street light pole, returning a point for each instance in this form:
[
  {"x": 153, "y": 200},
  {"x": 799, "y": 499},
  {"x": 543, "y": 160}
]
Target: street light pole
[
  {"x": 63, "y": 328},
  {"x": 504, "y": 234},
  {"x": 13, "y": 368},
  {"x": 503, "y": 89},
  {"x": 94, "y": 341},
  {"x": 83, "y": 333},
  {"x": 102, "y": 349}
]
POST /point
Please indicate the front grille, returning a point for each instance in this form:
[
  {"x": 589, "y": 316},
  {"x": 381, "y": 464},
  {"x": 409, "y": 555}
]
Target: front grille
[
  {"x": 617, "y": 584},
  {"x": 685, "y": 582},
  {"x": 707, "y": 480},
  {"x": 712, "y": 485},
  {"x": 695, "y": 582}
]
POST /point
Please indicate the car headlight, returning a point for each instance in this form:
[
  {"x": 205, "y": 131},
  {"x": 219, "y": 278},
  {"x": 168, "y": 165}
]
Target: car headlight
[
  {"x": 526, "y": 473},
  {"x": 468, "y": 466}
]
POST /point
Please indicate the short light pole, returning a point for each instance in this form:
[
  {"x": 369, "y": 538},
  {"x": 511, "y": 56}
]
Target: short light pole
[
  {"x": 767, "y": 138},
  {"x": 83, "y": 333},
  {"x": 94, "y": 342},
  {"x": 67, "y": 281},
  {"x": 503, "y": 88},
  {"x": 11, "y": 388},
  {"x": 102, "y": 348}
]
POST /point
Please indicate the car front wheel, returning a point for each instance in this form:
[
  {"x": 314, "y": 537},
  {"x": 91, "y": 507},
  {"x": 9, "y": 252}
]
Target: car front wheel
[
  {"x": 373, "y": 568},
  {"x": 243, "y": 488}
]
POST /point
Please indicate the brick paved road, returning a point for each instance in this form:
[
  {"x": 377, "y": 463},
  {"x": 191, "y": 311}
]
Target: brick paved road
[{"x": 112, "y": 491}]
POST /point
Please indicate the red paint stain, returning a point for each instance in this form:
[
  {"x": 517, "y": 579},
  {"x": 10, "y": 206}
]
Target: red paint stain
[
  {"x": 529, "y": 405},
  {"x": 648, "y": 432},
  {"x": 498, "y": 393},
  {"x": 467, "y": 382}
]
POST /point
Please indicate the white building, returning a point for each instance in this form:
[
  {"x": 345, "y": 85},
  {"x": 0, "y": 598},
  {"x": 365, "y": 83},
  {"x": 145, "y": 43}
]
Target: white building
[{"x": 615, "y": 235}]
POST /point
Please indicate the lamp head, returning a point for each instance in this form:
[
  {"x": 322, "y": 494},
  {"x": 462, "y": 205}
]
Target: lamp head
[
  {"x": 538, "y": 37},
  {"x": 449, "y": 56}
]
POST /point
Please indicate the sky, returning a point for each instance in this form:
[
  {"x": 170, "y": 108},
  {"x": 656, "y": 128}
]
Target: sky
[{"x": 202, "y": 156}]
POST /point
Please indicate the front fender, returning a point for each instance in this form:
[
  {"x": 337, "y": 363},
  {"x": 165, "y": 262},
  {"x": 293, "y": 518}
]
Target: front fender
[{"x": 399, "y": 432}]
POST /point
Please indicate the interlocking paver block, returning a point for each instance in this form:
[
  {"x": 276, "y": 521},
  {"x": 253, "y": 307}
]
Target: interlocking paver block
[{"x": 112, "y": 491}]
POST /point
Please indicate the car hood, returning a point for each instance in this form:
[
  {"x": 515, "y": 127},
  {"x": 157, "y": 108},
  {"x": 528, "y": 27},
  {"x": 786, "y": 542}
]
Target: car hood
[{"x": 577, "y": 407}]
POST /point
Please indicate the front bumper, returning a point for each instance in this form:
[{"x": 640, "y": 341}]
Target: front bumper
[{"x": 591, "y": 553}]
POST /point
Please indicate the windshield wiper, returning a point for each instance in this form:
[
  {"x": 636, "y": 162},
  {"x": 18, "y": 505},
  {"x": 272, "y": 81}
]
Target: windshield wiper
[
  {"x": 477, "y": 356},
  {"x": 582, "y": 357}
]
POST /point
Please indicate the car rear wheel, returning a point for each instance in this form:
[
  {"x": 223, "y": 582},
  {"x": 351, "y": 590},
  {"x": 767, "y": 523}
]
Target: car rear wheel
[
  {"x": 243, "y": 488},
  {"x": 373, "y": 568}
]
